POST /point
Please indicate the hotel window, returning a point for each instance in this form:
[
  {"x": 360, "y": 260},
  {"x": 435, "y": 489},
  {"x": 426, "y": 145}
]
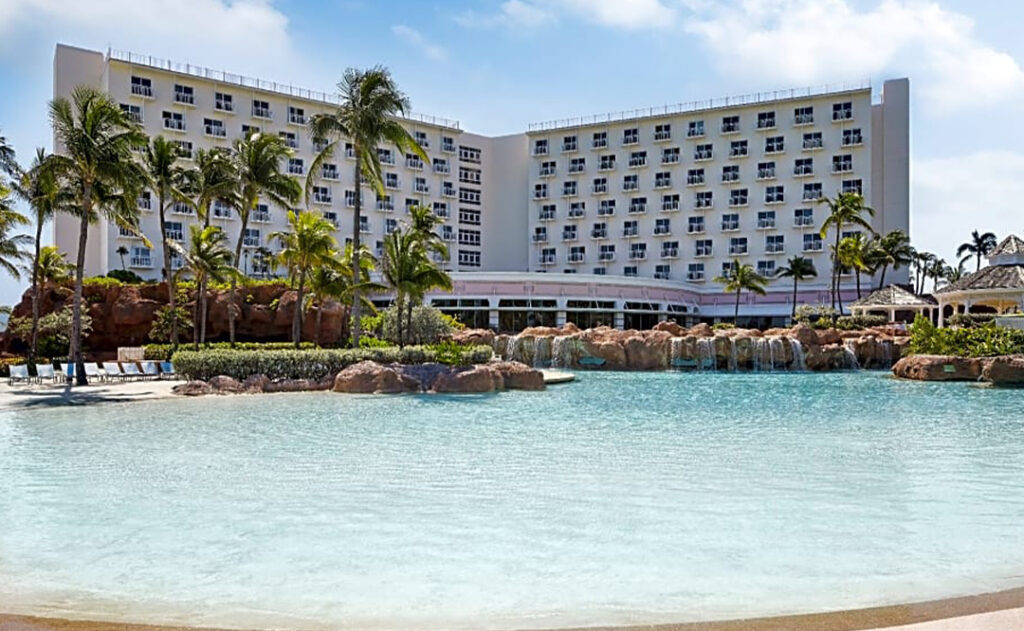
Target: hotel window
[
  {"x": 410, "y": 203},
  {"x": 290, "y": 139},
  {"x": 578, "y": 210},
  {"x": 142, "y": 86},
  {"x": 569, "y": 189},
  {"x": 469, "y": 196},
  {"x": 695, "y": 129},
  {"x": 391, "y": 181},
  {"x": 730, "y": 124},
  {"x": 364, "y": 222},
  {"x": 296, "y": 115},
  {"x": 853, "y": 186},
  {"x": 631, "y": 228},
  {"x": 213, "y": 127},
  {"x": 766, "y": 120},
  {"x": 631, "y": 136},
  {"x": 547, "y": 256},
  {"x": 173, "y": 230},
  {"x": 637, "y": 251},
  {"x": 469, "y": 237},
  {"x": 842, "y": 111},
  {"x": 174, "y": 120},
  {"x": 812, "y": 191},
  {"x": 547, "y": 212},
  {"x": 606, "y": 208},
  {"x": 599, "y": 186},
  {"x": 469, "y": 176},
  {"x": 184, "y": 94},
  {"x": 600, "y": 140},
  {"x": 145, "y": 200},
  {"x": 223, "y": 102},
  {"x": 184, "y": 148},
  {"x": 540, "y": 147},
  {"x": 703, "y": 152},
  {"x": 738, "y": 149},
  {"x": 319, "y": 144},
  {"x": 775, "y": 243},
  {"x": 637, "y": 205},
  {"x": 606, "y": 252},
  {"x": 766, "y": 268},
  {"x": 812, "y": 242},
  {"x": 630, "y": 182},
  {"x": 447, "y": 144},
  {"x": 469, "y": 258},
  {"x": 662, "y": 271},
  {"x": 669, "y": 249},
  {"x": 638, "y": 159},
  {"x": 469, "y": 216},
  {"x": 322, "y": 194},
  {"x": 695, "y": 272},
  {"x": 775, "y": 194},
  {"x": 737, "y": 246},
  {"x": 421, "y": 139},
  {"x": 447, "y": 189},
  {"x": 577, "y": 253},
  {"x": 384, "y": 155},
  {"x": 663, "y": 132},
  {"x": 803, "y": 166},
  {"x": 251, "y": 238},
  {"x": 695, "y": 177},
  {"x": 420, "y": 185},
  {"x": 390, "y": 225},
  {"x": 577, "y": 165},
  {"x": 469, "y": 154},
  {"x": 295, "y": 166},
  {"x": 540, "y": 191},
  {"x": 441, "y": 166},
  {"x": 851, "y": 234},
  {"x": 765, "y": 219},
  {"x": 774, "y": 144},
  {"x": 852, "y": 137},
  {"x": 413, "y": 161},
  {"x": 568, "y": 143},
  {"x": 607, "y": 163},
  {"x": 670, "y": 203},
  {"x": 662, "y": 227},
  {"x": 663, "y": 179},
  {"x": 670, "y": 155},
  {"x": 730, "y": 222},
  {"x": 842, "y": 163},
  {"x": 738, "y": 197},
  {"x": 803, "y": 217},
  {"x": 812, "y": 140},
  {"x": 731, "y": 173},
  {"x": 766, "y": 170},
  {"x": 695, "y": 225},
  {"x": 703, "y": 199},
  {"x": 540, "y": 234},
  {"x": 350, "y": 198},
  {"x": 260, "y": 109},
  {"x": 134, "y": 112},
  {"x": 599, "y": 230},
  {"x": 141, "y": 257},
  {"x": 703, "y": 247},
  {"x": 803, "y": 115}
]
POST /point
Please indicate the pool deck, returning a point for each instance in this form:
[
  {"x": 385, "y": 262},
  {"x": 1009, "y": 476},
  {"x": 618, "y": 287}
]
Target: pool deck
[
  {"x": 47, "y": 394},
  {"x": 997, "y": 611}
]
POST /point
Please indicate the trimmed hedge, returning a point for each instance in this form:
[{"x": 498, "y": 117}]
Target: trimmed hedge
[
  {"x": 987, "y": 340},
  {"x": 854, "y": 323},
  {"x": 162, "y": 352},
  {"x": 968, "y": 320},
  {"x": 311, "y": 364}
]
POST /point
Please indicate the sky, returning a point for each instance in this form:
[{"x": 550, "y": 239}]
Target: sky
[{"x": 498, "y": 65}]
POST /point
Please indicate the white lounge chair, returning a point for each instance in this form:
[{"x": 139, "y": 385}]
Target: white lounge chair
[
  {"x": 45, "y": 371},
  {"x": 131, "y": 370},
  {"x": 167, "y": 370},
  {"x": 67, "y": 370},
  {"x": 18, "y": 373},
  {"x": 93, "y": 370},
  {"x": 150, "y": 370},
  {"x": 113, "y": 370}
]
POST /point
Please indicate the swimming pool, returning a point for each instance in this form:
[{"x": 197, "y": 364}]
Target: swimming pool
[{"x": 621, "y": 498}]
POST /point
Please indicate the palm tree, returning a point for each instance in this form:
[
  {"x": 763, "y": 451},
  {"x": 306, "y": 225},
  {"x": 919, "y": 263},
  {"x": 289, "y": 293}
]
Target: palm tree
[
  {"x": 99, "y": 172},
  {"x": 855, "y": 254},
  {"x": 798, "y": 268},
  {"x": 936, "y": 270},
  {"x": 742, "y": 277},
  {"x": 12, "y": 246},
  {"x": 410, "y": 273},
  {"x": 337, "y": 282},
  {"x": 50, "y": 266},
  {"x": 258, "y": 169},
  {"x": 122, "y": 251},
  {"x": 952, "y": 274},
  {"x": 262, "y": 258},
  {"x": 422, "y": 222},
  {"x": 894, "y": 251},
  {"x": 981, "y": 244},
  {"x": 309, "y": 243},
  {"x": 214, "y": 178},
  {"x": 366, "y": 118},
  {"x": 208, "y": 258},
  {"x": 7, "y": 163},
  {"x": 845, "y": 209}
]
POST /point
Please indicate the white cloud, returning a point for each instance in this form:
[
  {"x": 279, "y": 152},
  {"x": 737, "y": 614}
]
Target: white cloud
[
  {"x": 627, "y": 14},
  {"x": 954, "y": 195},
  {"x": 811, "y": 41},
  {"x": 417, "y": 39}
]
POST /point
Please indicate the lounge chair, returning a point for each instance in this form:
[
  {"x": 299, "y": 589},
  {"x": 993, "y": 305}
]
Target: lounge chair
[
  {"x": 18, "y": 373},
  {"x": 93, "y": 370},
  {"x": 150, "y": 370},
  {"x": 167, "y": 370},
  {"x": 45, "y": 371},
  {"x": 67, "y": 370},
  {"x": 131, "y": 370},
  {"x": 113, "y": 370}
]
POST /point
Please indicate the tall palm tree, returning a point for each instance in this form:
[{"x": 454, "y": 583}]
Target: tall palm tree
[
  {"x": 893, "y": 251},
  {"x": 214, "y": 178},
  {"x": 798, "y": 268},
  {"x": 936, "y": 270},
  {"x": 12, "y": 246},
  {"x": 366, "y": 118},
  {"x": 307, "y": 244},
  {"x": 855, "y": 254},
  {"x": 337, "y": 282},
  {"x": 258, "y": 160},
  {"x": 742, "y": 277},
  {"x": 845, "y": 209},
  {"x": 50, "y": 266},
  {"x": 952, "y": 274},
  {"x": 208, "y": 258},
  {"x": 98, "y": 169},
  {"x": 166, "y": 176},
  {"x": 422, "y": 222},
  {"x": 408, "y": 270},
  {"x": 981, "y": 244},
  {"x": 922, "y": 264},
  {"x": 122, "y": 251}
]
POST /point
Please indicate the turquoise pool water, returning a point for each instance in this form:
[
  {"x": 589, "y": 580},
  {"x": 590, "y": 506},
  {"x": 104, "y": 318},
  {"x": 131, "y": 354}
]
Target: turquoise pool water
[{"x": 622, "y": 498}]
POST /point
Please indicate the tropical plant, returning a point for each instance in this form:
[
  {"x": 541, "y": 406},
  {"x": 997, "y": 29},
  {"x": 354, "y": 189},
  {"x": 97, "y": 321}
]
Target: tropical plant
[
  {"x": 208, "y": 258},
  {"x": 893, "y": 250},
  {"x": 952, "y": 274},
  {"x": 855, "y": 254},
  {"x": 741, "y": 277},
  {"x": 257, "y": 159},
  {"x": 845, "y": 209},
  {"x": 307, "y": 244},
  {"x": 53, "y": 330},
  {"x": 422, "y": 222},
  {"x": 51, "y": 267},
  {"x": 367, "y": 117},
  {"x": 99, "y": 173},
  {"x": 12, "y": 252},
  {"x": 798, "y": 268},
  {"x": 936, "y": 270},
  {"x": 922, "y": 265},
  {"x": 122, "y": 251},
  {"x": 7, "y": 163},
  {"x": 166, "y": 320},
  {"x": 337, "y": 282},
  {"x": 981, "y": 244},
  {"x": 214, "y": 178},
  {"x": 407, "y": 270}
]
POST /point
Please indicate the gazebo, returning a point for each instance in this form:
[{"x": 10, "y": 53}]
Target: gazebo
[
  {"x": 996, "y": 288},
  {"x": 896, "y": 303}
]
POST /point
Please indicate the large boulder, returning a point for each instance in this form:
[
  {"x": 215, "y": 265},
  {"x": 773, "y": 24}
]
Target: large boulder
[
  {"x": 670, "y": 327},
  {"x": 938, "y": 368},
  {"x": 474, "y": 336},
  {"x": 473, "y": 380},
  {"x": 222, "y": 384},
  {"x": 829, "y": 336},
  {"x": 1004, "y": 371},
  {"x": 193, "y": 388},
  {"x": 518, "y": 376},
  {"x": 804, "y": 334},
  {"x": 370, "y": 377},
  {"x": 829, "y": 357},
  {"x": 702, "y": 330},
  {"x": 255, "y": 384}
]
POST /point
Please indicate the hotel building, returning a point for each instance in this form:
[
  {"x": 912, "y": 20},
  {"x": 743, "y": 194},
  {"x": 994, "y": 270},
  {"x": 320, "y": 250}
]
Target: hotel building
[{"x": 622, "y": 219}]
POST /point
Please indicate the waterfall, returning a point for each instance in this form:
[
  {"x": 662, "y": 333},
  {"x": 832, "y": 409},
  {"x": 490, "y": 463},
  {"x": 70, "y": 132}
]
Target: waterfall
[
  {"x": 851, "y": 355},
  {"x": 887, "y": 352},
  {"x": 706, "y": 353},
  {"x": 542, "y": 355},
  {"x": 556, "y": 351},
  {"x": 733, "y": 361},
  {"x": 676, "y": 352},
  {"x": 799, "y": 358},
  {"x": 510, "y": 348},
  {"x": 778, "y": 353}
]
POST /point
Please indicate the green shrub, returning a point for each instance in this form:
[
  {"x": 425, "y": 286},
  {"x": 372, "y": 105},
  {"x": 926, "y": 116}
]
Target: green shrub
[
  {"x": 164, "y": 317},
  {"x": 306, "y": 364},
  {"x": 54, "y": 334},
  {"x": 810, "y": 314},
  {"x": 854, "y": 323},
  {"x": 723, "y": 326},
  {"x": 981, "y": 341},
  {"x": 968, "y": 320},
  {"x": 125, "y": 276},
  {"x": 162, "y": 352},
  {"x": 368, "y": 341},
  {"x": 101, "y": 281},
  {"x": 428, "y": 325}
]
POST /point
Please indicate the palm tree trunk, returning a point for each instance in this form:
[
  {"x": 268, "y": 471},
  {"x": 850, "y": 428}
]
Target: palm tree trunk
[
  {"x": 168, "y": 275},
  {"x": 297, "y": 316},
  {"x": 357, "y": 273},
  {"x": 835, "y": 270},
  {"x": 977, "y": 266},
  {"x": 202, "y": 313},
  {"x": 122, "y": 263},
  {"x": 857, "y": 272},
  {"x": 319, "y": 317},
  {"x": 408, "y": 318},
  {"x": 795, "y": 282},
  {"x": 75, "y": 345},
  {"x": 35, "y": 294},
  {"x": 195, "y": 316},
  {"x": 398, "y": 313},
  {"x": 736, "y": 314},
  {"x": 238, "y": 259},
  {"x": 881, "y": 281}
]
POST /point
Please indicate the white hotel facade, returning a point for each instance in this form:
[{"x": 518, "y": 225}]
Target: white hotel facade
[{"x": 621, "y": 219}]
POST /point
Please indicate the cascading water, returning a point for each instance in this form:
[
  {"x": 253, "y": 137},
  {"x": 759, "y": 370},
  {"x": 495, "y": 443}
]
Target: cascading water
[
  {"x": 848, "y": 348},
  {"x": 706, "y": 353},
  {"x": 734, "y": 364},
  {"x": 799, "y": 357}
]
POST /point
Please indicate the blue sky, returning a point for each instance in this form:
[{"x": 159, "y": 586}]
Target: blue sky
[{"x": 497, "y": 65}]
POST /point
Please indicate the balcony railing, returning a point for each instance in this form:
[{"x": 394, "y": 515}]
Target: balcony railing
[
  {"x": 599, "y": 233},
  {"x": 215, "y": 130},
  {"x": 606, "y": 256},
  {"x": 547, "y": 215},
  {"x": 547, "y": 259},
  {"x": 184, "y": 98},
  {"x": 695, "y": 277},
  {"x": 661, "y": 231},
  {"x": 142, "y": 90},
  {"x": 605, "y": 211},
  {"x": 695, "y": 229},
  {"x": 141, "y": 261},
  {"x": 577, "y": 257},
  {"x": 660, "y": 136},
  {"x": 322, "y": 198},
  {"x": 540, "y": 237},
  {"x": 669, "y": 206},
  {"x": 670, "y": 253},
  {"x": 175, "y": 124},
  {"x": 578, "y": 213},
  {"x": 637, "y": 209},
  {"x": 638, "y": 255},
  {"x": 261, "y": 112}
]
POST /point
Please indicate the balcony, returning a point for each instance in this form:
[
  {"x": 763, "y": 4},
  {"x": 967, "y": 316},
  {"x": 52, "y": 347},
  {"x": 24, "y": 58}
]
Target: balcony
[
  {"x": 295, "y": 168},
  {"x": 695, "y": 180},
  {"x": 385, "y": 206},
  {"x": 414, "y": 163},
  {"x": 540, "y": 193},
  {"x": 143, "y": 262},
  {"x": 695, "y": 277},
  {"x": 695, "y": 229},
  {"x": 184, "y": 98},
  {"x": 843, "y": 167},
  {"x": 577, "y": 168},
  {"x": 803, "y": 171},
  {"x": 730, "y": 176},
  {"x": 662, "y": 183},
  {"x": 221, "y": 211},
  {"x": 331, "y": 218},
  {"x": 569, "y": 147},
  {"x": 637, "y": 162},
  {"x": 801, "y": 222},
  {"x": 695, "y": 132},
  {"x": 182, "y": 208},
  {"x": 670, "y": 253},
  {"x": 730, "y": 226},
  {"x": 812, "y": 195},
  {"x": 631, "y": 139},
  {"x": 540, "y": 150},
  {"x": 320, "y": 197},
  {"x": 703, "y": 203},
  {"x": 578, "y": 213},
  {"x": 540, "y": 237},
  {"x": 670, "y": 158},
  {"x": 766, "y": 123},
  {"x": 546, "y": 215},
  {"x": 738, "y": 201},
  {"x": 577, "y": 257},
  {"x": 775, "y": 248},
  {"x": 839, "y": 116},
  {"x": 803, "y": 119},
  {"x": 145, "y": 91},
  {"x": 737, "y": 250},
  {"x": 631, "y": 185},
  {"x": 631, "y": 232},
  {"x": 422, "y": 141},
  {"x": 546, "y": 259},
  {"x": 223, "y": 105},
  {"x": 547, "y": 171},
  {"x": 730, "y": 127},
  {"x": 599, "y": 189},
  {"x": 174, "y": 124},
  {"x": 702, "y": 155},
  {"x": 421, "y": 187},
  {"x": 765, "y": 224},
  {"x": 811, "y": 144},
  {"x": 441, "y": 212},
  {"x": 328, "y": 173},
  {"x": 448, "y": 191},
  {"x": 297, "y": 119},
  {"x": 385, "y": 157},
  {"x": 738, "y": 152},
  {"x": 637, "y": 208},
  {"x": 815, "y": 246},
  {"x": 775, "y": 198},
  {"x": 662, "y": 231},
  {"x": 569, "y": 191},
  {"x": 447, "y": 146},
  {"x": 661, "y": 275},
  {"x": 569, "y": 236},
  {"x": 852, "y": 140},
  {"x": 605, "y": 211},
  {"x": 599, "y": 233},
  {"x": 251, "y": 241},
  {"x": 638, "y": 255},
  {"x": 703, "y": 252},
  {"x": 442, "y": 168},
  {"x": 599, "y": 143},
  {"x": 662, "y": 135},
  {"x": 144, "y": 203},
  {"x": 260, "y": 216},
  {"x": 670, "y": 206},
  {"x": 606, "y": 165},
  {"x": 606, "y": 256},
  {"x": 259, "y": 111},
  {"x": 217, "y": 131}
]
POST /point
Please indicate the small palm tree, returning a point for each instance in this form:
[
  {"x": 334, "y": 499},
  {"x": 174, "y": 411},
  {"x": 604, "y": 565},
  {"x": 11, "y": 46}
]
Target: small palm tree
[
  {"x": 51, "y": 267},
  {"x": 371, "y": 104},
  {"x": 739, "y": 278},
  {"x": 214, "y": 178},
  {"x": 12, "y": 246},
  {"x": 936, "y": 270},
  {"x": 122, "y": 251},
  {"x": 257, "y": 159},
  {"x": 208, "y": 258},
  {"x": 981, "y": 244},
  {"x": 893, "y": 250},
  {"x": 855, "y": 254},
  {"x": 337, "y": 282},
  {"x": 7, "y": 163},
  {"x": 952, "y": 274},
  {"x": 422, "y": 222},
  {"x": 845, "y": 209},
  {"x": 307, "y": 244},
  {"x": 408, "y": 270},
  {"x": 923, "y": 262},
  {"x": 99, "y": 172},
  {"x": 798, "y": 268}
]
